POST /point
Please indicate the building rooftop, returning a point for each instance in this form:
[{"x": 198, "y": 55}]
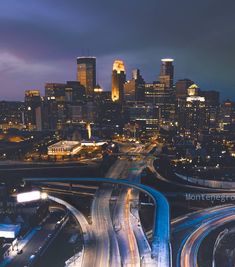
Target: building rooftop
[
  {"x": 119, "y": 66},
  {"x": 65, "y": 144},
  {"x": 9, "y": 230},
  {"x": 167, "y": 60}
]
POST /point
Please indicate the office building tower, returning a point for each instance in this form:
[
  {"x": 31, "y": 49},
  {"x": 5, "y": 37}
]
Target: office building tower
[
  {"x": 198, "y": 111},
  {"x": 75, "y": 92},
  {"x": 227, "y": 116},
  {"x": 145, "y": 116},
  {"x": 55, "y": 107},
  {"x": 86, "y": 73},
  {"x": 192, "y": 119},
  {"x": 11, "y": 115},
  {"x": 137, "y": 76},
  {"x": 60, "y": 100},
  {"x": 193, "y": 90},
  {"x": 167, "y": 72},
  {"x": 134, "y": 88},
  {"x": 129, "y": 90},
  {"x": 118, "y": 80},
  {"x": 162, "y": 99},
  {"x": 181, "y": 88},
  {"x": 212, "y": 99},
  {"x": 71, "y": 91},
  {"x": 32, "y": 109},
  {"x": 55, "y": 91}
]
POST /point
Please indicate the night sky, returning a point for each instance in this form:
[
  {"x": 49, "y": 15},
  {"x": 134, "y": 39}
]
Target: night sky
[{"x": 40, "y": 40}]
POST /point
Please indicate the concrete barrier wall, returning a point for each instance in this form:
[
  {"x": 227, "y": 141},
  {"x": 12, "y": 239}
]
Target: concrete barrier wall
[{"x": 207, "y": 183}]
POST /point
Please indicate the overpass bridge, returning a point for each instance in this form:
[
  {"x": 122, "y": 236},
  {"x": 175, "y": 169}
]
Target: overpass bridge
[{"x": 160, "y": 247}]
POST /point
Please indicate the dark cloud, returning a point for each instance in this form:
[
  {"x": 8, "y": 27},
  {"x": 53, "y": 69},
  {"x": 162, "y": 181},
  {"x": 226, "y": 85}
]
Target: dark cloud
[{"x": 50, "y": 34}]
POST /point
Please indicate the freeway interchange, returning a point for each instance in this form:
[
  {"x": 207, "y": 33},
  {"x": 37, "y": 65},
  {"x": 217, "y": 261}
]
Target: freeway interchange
[{"x": 115, "y": 236}]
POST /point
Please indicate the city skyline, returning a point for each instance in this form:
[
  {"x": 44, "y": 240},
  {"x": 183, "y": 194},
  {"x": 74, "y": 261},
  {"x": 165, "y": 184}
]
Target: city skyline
[
  {"x": 41, "y": 43},
  {"x": 109, "y": 89},
  {"x": 117, "y": 133}
]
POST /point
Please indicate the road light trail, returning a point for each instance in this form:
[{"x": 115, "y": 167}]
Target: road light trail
[
  {"x": 88, "y": 237},
  {"x": 135, "y": 262},
  {"x": 100, "y": 228},
  {"x": 130, "y": 238},
  {"x": 190, "y": 249},
  {"x": 141, "y": 239},
  {"x": 126, "y": 239},
  {"x": 184, "y": 226}
]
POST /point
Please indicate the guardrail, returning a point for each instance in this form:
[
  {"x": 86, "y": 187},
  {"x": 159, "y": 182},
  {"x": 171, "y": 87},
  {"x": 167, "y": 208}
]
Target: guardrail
[{"x": 207, "y": 183}]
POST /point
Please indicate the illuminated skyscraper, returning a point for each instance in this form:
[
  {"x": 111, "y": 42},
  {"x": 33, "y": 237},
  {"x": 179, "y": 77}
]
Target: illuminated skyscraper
[
  {"x": 167, "y": 72},
  {"x": 193, "y": 90},
  {"x": 118, "y": 80},
  {"x": 181, "y": 87},
  {"x": 86, "y": 73}
]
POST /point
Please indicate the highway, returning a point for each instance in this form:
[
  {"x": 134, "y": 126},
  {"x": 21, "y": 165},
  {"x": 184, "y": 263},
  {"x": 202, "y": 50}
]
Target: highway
[
  {"x": 160, "y": 248},
  {"x": 188, "y": 232},
  {"x": 125, "y": 235},
  {"x": 183, "y": 227},
  {"x": 106, "y": 250},
  {"x": 183, "y": 184},
  {"x": 123, "y": 241},
  {"x": 133, "y": 245},
  {"x": 140, "y": 235},
  {"x": 88, "y": 236},
  {"x": 108, "y": 246},
  {"x": 119, "y": 237},
  {"x": 190, "y": 250},
  {"x": 36, "y": 242},
  {"x": 115, "y": 248},
  {"x": 141, "y": 239}
]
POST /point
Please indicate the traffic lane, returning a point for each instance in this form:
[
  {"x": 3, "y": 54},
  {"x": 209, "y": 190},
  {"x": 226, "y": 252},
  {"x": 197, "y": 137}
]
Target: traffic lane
[
  {"x": 36, "y": 242},
  {"x": 125, "y": 235},
  {"x": 183, "y": 226},
  {"x": 195, "y": 218},
  {"x": 102, "y": 227},
  {"x": 189, "y": 252},
  {"x": 143, "y": 244},
  {"x": 88, "y": 235}
]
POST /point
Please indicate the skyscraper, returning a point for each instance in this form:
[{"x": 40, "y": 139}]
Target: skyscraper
[
  {"x": 61, "y": 99},
  {"x": 86, "y": 73},
  {"x": 167, "y": 72},
  {"x": 212, "y": 107},
  {"x": 134, "y": 89},
  {"x": 192, "y": 116},
  {"x": 162, "y": 99},
  {"x": 118, "y": 80},
  {"x": 181, "y": 87},
  {"x": 227, "y": 116},
  {"x": 32, "y": 114},
  {"x": 11, "y": 114}
]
